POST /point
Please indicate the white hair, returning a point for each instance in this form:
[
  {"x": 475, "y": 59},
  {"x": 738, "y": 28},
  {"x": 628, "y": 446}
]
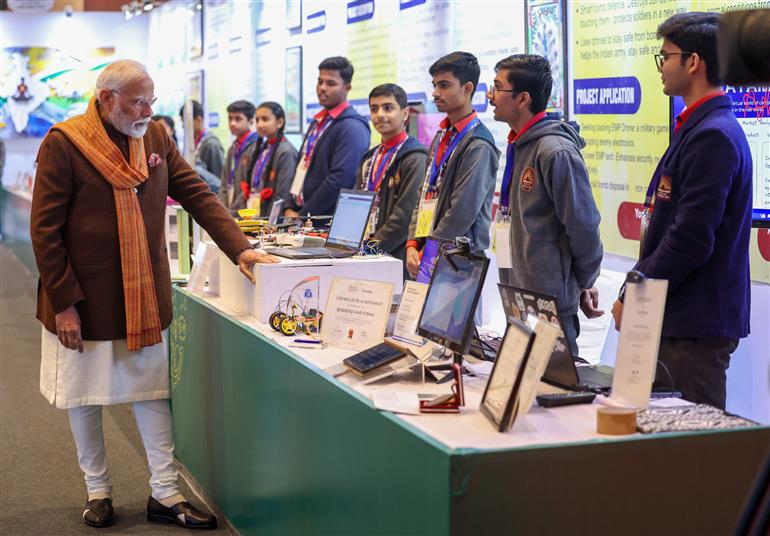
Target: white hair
[{"x": 118, "y": 74}]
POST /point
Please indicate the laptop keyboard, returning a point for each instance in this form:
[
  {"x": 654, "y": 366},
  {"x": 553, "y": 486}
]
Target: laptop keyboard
[
  {"x": 316, "y": 250},
  {"x": 593, "y": 377}
]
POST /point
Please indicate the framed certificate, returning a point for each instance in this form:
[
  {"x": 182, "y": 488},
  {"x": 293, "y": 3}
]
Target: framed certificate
[
  {"x": 356, "y": 313},
  {"x": 500, "y": 401}
]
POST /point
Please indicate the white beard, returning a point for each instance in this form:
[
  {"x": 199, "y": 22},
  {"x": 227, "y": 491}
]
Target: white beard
[{"x": 136, "y": 129}]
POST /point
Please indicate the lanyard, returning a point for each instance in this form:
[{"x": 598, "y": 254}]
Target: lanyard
[
  {"x": 436, "y": 168},
  {"x": 380, "y": 164},
  {"x": 259, "y": 165},
  {"x": 316, "y": 131},
  {"x": 505, "y": 191},
  {"x": 237, "y": 157},
  {"x": 649, "y": 198},
  {"x": 199, "y": 138}
]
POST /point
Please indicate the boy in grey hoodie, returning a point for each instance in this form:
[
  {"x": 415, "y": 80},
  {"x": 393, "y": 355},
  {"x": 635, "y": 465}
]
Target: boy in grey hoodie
[
  {"x": 546, "y": 197},
  {"x": 456, "y": 194}
]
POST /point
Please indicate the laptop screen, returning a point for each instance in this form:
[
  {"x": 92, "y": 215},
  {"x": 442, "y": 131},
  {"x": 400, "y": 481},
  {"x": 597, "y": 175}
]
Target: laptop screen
[
  {"x": 447, "y": 315},
  {"x": 275, "y": 212},
  {"x": 350, "y": 218},
  {"x": 518, "y": 303}
]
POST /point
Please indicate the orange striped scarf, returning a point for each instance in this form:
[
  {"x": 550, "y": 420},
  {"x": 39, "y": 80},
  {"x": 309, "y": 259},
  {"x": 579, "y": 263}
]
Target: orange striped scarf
[{"x": 87, "y": 133}]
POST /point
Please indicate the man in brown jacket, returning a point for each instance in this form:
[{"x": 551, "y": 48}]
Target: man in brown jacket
[{"x": 104, "y": 296}]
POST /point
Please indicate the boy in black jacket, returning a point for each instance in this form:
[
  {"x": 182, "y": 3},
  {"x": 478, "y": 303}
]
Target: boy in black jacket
[
  {"x": 333, "y": 144},
  {"x": 394, "y": 170}
]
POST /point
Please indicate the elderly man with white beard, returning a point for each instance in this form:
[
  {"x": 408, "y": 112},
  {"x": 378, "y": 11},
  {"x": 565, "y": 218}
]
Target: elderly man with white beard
[{"x": 104, "y": 296}]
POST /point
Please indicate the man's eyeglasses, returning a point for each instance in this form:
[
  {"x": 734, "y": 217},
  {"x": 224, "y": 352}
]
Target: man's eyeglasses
[
  {"x": 140, "y": 102},
  {"x": 493, "y": 89},
  {"x": 661, "y": 58}
]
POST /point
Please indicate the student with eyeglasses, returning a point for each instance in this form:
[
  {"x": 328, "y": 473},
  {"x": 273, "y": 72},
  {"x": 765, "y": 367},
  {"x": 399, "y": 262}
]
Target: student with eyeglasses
[
  {"x": 547, "y": 224},
  {"x": 697, "y": 220}
]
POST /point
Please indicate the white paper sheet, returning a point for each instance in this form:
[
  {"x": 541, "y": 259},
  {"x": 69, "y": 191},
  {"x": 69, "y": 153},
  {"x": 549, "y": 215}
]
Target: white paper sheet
[{"x": 397, "y": 401}]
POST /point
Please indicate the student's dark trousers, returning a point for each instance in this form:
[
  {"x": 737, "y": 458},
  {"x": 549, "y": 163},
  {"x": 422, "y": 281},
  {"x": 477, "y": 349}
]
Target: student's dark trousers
[{"x": 697, "y": 366}]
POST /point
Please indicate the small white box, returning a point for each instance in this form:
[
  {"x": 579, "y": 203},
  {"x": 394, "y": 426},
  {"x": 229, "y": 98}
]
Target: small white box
[
  {"x": 236, "y": 292},
  {"x": 274, "y": 281}
]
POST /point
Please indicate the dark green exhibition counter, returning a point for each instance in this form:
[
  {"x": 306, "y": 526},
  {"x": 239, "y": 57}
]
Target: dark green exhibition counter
[{"x": 283, "y": 448}]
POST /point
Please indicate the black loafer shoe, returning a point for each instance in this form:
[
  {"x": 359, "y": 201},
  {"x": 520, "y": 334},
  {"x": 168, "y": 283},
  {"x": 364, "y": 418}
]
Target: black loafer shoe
[
  {"x": 99, "y": 513},
  {"x": 182, "y": 513}
]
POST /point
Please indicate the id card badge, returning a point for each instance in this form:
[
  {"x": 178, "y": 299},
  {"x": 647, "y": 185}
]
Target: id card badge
[
  {"x": 254, "y": 202},
  {"x": 425, "y": 217},
  {"x": 501, "y": 241},
  {"x": 644, "y": 223},
  {"x": 299, "y": 179},
  {"x": 373, "y": 217}
]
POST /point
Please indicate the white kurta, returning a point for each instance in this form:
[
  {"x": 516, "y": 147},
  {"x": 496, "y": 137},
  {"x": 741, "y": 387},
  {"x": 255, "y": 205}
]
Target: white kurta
[{"x": 105, "y": 373}]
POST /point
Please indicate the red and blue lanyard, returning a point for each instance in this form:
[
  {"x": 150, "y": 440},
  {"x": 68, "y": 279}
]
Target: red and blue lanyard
[
  {"x": 505, "y": 190},
  {"x": 237, "y": 158},
  {"x": 262, "y": 160},
  {"x": 380, "y": 165},
  {"x": 435, "y": 168},
  {"x": 510, "y": 157},
  {"x": 313, "y": 136}
]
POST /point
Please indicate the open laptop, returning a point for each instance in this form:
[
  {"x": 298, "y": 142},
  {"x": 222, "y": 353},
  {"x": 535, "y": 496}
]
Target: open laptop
[
  {"x": 351, "y": 217},
  {"x": 275, "y": 212},
  {"x": 561, "y": 370}
]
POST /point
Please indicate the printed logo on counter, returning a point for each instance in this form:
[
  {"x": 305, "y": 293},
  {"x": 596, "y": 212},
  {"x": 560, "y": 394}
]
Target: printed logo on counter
[
  {"x": 664, "y": 188},
  {"x": 528, "y": 179}
]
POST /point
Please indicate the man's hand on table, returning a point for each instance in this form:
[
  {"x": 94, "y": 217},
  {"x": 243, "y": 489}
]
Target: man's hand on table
[{"x": 248, "y": 257}]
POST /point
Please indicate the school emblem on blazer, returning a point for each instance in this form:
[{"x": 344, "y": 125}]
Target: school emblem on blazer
[
  {"x": 528, "y": 179},
  {"x": 664, "y": 188}
]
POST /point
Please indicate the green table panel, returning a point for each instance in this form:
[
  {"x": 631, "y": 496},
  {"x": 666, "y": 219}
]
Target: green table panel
[
  {"x": 285, "y": 449},
  {"x": 282, "y": 449}
]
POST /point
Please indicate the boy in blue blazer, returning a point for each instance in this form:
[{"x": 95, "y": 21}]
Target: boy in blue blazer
[{"x": 697, "y": 222}]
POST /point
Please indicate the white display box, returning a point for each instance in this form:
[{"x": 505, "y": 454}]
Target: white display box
[{"x": 274, "y": 280}]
